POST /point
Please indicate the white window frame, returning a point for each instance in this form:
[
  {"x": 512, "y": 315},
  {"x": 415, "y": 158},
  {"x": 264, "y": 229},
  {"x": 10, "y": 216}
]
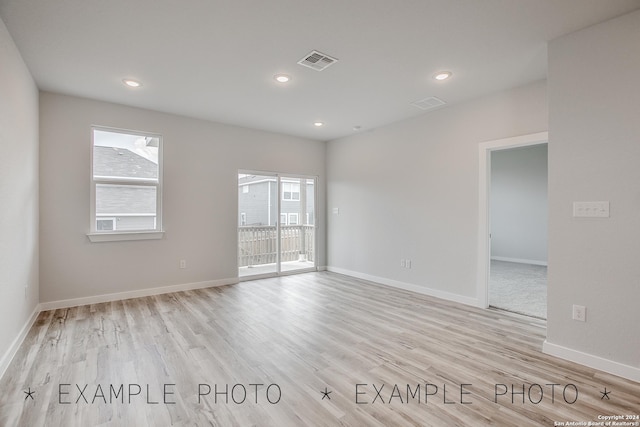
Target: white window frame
[
  {"x": 245, "y": 189},
  {"x": 293, "y": 215},
  {"x": 115, "y": 235},
  {"x": 243, "y": 218}
]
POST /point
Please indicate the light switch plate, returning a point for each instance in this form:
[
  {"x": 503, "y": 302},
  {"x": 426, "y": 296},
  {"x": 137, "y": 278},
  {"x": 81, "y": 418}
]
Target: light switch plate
[{"x": 591, "y": 209}]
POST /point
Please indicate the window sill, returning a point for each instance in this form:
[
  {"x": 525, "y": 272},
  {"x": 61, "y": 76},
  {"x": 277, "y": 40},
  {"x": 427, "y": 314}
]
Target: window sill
[{"x": 124, "y": 236}]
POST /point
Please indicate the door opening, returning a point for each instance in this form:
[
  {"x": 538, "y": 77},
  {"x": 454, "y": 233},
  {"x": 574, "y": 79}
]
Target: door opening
[
  {"x": 518, "y": 229},
  {"x": 502, "y": 263}
]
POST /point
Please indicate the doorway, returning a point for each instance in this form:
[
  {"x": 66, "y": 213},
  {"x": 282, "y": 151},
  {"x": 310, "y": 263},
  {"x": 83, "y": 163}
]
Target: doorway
[
  {"x": 509, "y": 272},
  {"x": 276, "y": 224},
  {"x": 518, "y": 229}
]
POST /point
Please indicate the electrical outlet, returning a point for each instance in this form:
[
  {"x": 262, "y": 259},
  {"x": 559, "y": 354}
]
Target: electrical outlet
[
  {"x": 579, "y": 313},
  {"x": 183, "y": 263},
  {"x": 402, "y": 263},
  {"x": 407, "y": 263}
]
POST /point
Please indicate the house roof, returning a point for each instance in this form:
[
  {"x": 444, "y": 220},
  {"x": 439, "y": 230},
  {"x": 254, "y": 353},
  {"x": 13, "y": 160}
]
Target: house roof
[
  {"x": 258, "y": 179},
  {"x": 121, "y": 162},
  {"x": 253, "y": 179},
  {"x": 123, "y": 199}
]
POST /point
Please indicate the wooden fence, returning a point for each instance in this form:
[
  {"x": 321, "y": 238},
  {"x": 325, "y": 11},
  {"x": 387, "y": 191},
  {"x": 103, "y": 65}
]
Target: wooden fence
[{"x": 258, "y": 244}]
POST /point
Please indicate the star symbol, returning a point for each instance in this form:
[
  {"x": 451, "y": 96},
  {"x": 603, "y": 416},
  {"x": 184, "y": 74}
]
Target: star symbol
[
  {"x": 29, "y": 394},
  {"x": 325, "y": 393},
  {"x": 604, "y": 394}
]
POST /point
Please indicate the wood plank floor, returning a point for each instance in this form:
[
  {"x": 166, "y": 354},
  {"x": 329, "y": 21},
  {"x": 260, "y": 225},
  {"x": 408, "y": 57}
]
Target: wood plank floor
[{"x": 385, "y": 357}]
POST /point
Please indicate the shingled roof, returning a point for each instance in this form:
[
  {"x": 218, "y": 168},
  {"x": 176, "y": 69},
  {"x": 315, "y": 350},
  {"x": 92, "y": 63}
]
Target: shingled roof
[
  {"x": 114, "y": 161},
  {"x": 123, "y": 199}
]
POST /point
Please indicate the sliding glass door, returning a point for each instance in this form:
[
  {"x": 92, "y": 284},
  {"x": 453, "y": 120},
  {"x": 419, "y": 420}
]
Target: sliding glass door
[
  {"x": 297, "y": 218},
  {"x": 276, "y": 224},
  {"x": 257, "y": 224}
]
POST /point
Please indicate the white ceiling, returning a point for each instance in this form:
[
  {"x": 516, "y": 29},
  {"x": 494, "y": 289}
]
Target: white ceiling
[{"x": 215, "y": 59}]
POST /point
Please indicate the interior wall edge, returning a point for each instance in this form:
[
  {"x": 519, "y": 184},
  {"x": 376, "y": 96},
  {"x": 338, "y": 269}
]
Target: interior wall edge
[
  {"x": 8, "y": 356},
  {"x": 119, "y": 296},
  {"x": 411, "y": 287}
]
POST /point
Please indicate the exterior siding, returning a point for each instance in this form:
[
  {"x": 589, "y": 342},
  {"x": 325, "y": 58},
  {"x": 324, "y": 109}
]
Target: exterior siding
[
  {"x": 118, "y": 199},
  {"x": 127, "y": 223},
  {"x": 253, "y": 204}
]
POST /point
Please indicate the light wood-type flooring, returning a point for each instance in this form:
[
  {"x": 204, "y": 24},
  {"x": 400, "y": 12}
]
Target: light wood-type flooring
[{"x": 263, "y": 352}]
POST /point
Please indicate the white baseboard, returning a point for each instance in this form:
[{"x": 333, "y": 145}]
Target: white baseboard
[
  {"x": 407, "y": 286},
  {"x": 74, "y": 302},
  {"x": 15, "y": 345},
  {"x": 519, "y": 260},
  {"x": 625, "y": 371},
  {"x": 322, "y": 268}
]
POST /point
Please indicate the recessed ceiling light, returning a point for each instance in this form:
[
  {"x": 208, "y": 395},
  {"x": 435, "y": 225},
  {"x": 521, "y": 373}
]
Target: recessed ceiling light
[
  {"x": 318, "y": 124},
  {"x": 442, "y": 75},
  {"x": 131, "y": 83},
  {"x": 282, "y": 78}
]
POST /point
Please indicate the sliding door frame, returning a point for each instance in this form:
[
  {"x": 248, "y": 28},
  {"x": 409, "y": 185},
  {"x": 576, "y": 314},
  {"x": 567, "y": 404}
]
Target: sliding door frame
[{"x": 278, "y": 176}]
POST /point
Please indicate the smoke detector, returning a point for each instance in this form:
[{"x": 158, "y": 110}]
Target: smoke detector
[
  {"x": 317, "y": 60},
  {"x": 429, "y": 103}
]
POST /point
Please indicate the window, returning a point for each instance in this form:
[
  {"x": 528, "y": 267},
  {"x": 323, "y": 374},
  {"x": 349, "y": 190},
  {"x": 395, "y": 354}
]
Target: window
[
  {"x": 245, "y": 189},
  {"x": 290, "y": 191},
  {"x": 293, "y": 219},
  {"x": 126, "y": 183},
  {"x": 283, "y": 219},
  {"x": 243, "y": 218}
]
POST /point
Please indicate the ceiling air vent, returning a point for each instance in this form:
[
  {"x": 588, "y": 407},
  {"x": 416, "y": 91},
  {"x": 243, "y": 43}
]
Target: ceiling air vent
[
  {"x": 317, "y": 60},
  {"x": 428, "y": 103}
]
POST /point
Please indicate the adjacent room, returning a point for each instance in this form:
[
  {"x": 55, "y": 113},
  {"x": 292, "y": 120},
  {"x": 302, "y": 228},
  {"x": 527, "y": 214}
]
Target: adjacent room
[
  {"x": 518, "y": 211},
  {"x": 351, "y": 213}
]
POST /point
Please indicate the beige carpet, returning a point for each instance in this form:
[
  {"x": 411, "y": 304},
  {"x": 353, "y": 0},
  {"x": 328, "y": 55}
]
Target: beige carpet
[{"x": 520, "y": 288}]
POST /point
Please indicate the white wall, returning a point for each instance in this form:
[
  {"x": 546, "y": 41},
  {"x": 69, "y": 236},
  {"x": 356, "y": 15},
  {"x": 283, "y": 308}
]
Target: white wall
[
  {"x": 410, "y": 191},
  {"x": 594, "y": 155},
  {"x": 201, "y": 161},
  {"x": 519, "y": 207},
  {"x": 18, "y": 195}
]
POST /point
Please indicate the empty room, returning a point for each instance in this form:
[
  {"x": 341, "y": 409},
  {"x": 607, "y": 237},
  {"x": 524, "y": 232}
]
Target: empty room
[{"x": 292, "y": 213}]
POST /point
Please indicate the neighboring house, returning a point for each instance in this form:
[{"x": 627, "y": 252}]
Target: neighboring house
[
  {"x": 258, "y": 204},
  {"x": 124, "y": 207}
]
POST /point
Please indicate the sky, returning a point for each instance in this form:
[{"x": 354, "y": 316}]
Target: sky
[{"x": 135, "y": 143}]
